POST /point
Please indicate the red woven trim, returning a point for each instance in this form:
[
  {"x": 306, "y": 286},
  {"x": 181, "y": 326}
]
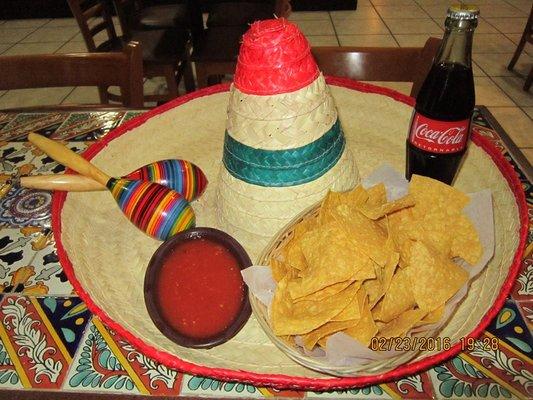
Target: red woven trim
[{"x": 277, "y": 380}]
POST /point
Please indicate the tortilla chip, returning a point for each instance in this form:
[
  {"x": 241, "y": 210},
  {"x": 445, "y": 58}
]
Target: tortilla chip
[
  {"x": 430, "y": 194},
  {"x": 353, "y": 310},
  {"x": 289, "y": 318},
  {"x": 278, "y": 269},
  {"x": 329, "y": 328},
  {"x": 466, "y": 242},
  {"x": 365, "y": 329},
  {"x": 332, "y": 257},
  {"x": 433, "y": 278},
  {"x": 432, "y": 317},
  {"x": 399, "y": 326},
  {"x": 366, "y": 234},
  {"x": 322, "y": 293},
  {"x": 397, "y": 299}
]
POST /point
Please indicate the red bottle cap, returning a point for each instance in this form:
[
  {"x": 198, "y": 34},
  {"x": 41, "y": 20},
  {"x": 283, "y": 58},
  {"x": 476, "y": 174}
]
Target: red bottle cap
[{"x": 274, "y": 58}]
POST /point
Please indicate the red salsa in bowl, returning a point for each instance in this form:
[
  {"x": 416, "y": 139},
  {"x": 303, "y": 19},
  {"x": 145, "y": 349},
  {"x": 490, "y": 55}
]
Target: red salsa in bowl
[{"x": 193, "y": 288}]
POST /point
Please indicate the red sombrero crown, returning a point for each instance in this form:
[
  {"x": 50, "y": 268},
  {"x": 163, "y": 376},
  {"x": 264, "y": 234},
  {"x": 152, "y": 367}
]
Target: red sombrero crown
[{"x": 274, "y": 58}]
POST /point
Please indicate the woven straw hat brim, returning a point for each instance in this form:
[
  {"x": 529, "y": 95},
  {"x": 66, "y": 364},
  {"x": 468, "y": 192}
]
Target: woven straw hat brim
[{"x": 105, "y": 256}]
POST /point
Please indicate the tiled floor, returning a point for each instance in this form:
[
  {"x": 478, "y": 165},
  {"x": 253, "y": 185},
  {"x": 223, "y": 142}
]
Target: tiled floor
[{"x": 374, "y": 23}]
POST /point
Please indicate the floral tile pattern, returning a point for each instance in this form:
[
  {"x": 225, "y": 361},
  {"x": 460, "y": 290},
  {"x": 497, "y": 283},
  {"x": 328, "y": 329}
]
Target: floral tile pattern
[
  {"x": 87, "y": 126},
  {"x": 16, "y": 255},
  {"x": 130, "y": 115},
  {"x": 9, "y": 378},
  {"x": 523, "y": 289},
  {"x": 40, "y": 358},
  {"x": 202, "y": 386},
  {"x": 49, "y": 340},
  {"x": 413, "y": 387},
  {"x": 6, "y": 119},
  {"x": 504, "y": 351},
  {"x": 373, "y": 392},
  {"x": 15, "y": 158},
  {"x": 151, "y": 376},
  {"x": 25, "y": 207},
  {"x": 19, "y": 127},
  {"x": 459, "y": 379},
  {"x": 69, "y": 317},
  {"x": 510, "y": 327},
  {"x": 49, "y": 269},
  {"x": 96, "y": 367},
  {"x": 28, "y": 263}
]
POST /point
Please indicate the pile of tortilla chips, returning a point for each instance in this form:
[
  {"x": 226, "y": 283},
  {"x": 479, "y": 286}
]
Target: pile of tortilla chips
[{"x": 372, "y": 268}]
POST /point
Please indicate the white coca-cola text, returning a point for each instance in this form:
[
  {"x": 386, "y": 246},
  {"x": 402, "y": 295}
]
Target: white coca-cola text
[{"x": 450, "y": 136}]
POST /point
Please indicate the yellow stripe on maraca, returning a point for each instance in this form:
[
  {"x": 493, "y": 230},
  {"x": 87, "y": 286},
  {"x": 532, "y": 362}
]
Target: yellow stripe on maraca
[{"x": 158, "y": 216}]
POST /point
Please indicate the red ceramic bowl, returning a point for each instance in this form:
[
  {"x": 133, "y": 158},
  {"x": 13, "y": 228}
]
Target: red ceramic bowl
[{"x": 152, "y": 275}]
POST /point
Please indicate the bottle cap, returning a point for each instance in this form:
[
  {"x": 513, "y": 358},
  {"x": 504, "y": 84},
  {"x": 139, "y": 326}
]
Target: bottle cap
[{"x": 463, "y": 11}]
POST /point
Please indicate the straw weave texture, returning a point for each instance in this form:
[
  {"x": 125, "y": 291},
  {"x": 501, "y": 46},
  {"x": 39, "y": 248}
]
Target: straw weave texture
[
  {"x": 281, "y": 121},
  {"x": 110, "y": 255}
]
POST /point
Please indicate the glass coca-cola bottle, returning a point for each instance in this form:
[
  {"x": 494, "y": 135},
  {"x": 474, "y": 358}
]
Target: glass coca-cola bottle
[{"x": 440, "y": 125}]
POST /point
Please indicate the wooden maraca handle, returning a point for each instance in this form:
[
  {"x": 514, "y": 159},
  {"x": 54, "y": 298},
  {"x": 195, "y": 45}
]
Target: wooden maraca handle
[
  {"x": 67, "y": 157},
  {"x": 71, "y": 183}
]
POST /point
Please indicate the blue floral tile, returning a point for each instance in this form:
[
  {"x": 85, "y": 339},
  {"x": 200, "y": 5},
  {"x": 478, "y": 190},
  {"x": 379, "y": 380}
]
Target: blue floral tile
[
  {"x": 43, "y": 123},
  {"x": 25, "y": 207},
  {"x": 459, "y": 379},
  {"x": 20, "y": 269},
  {"x": 367, "y": 392},
  {"x": 50, "y": 272},
  {"x": 69, "y": 317},
  {"x": 511, "y": 328},
  {"x": 16, "y": 158},
  {"x": 9, "y": 378},
  {"x": 16, "y": 255},
  {"x": 130, "y": 115},
  {"x": 97, "y": 368},
  {"x": 6, "y": 118},
  {"x": 201, "y": 386},
  {"x": 81, "y": 126}
]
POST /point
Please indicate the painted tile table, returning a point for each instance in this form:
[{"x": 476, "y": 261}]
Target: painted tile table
[{"x": 51, "y": 346}]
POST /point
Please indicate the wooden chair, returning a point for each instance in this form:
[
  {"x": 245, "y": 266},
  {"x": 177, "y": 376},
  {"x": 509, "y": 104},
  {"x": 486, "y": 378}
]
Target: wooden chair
[
  {"x": 164, "y": 52},
  {"x": 162, "y": 16},
  {"x": 527, "y": 36},
  {"x": 244, "y": 12},
  {"x": 216, "y": 50},
  {"x": 123, "y": 69},
  {"x": 405, "y": 64}
]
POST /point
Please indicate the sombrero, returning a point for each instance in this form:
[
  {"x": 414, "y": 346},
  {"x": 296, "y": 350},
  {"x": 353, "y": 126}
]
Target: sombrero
[
  {"x": 284, "y": 146},
  {"x": 105, "y": 256}
]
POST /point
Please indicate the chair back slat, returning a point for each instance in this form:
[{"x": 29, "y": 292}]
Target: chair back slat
[
  {"x": 77, "y": 69},
  {"x": 98, "y": 28},
  {"x": 94, "y": 17},
  {"x": 408, "y": 64}
]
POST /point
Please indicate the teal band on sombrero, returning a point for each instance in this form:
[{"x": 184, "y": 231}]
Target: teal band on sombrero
[{"x": 277, "y": 168}]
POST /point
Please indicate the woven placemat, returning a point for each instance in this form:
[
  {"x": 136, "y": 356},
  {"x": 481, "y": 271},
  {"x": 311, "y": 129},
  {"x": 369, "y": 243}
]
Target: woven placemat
[{"x": 105, "y": 256}]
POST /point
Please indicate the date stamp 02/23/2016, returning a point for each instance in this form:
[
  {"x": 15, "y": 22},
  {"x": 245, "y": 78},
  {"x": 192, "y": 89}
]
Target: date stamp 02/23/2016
[{"x": 431, "y": 343}]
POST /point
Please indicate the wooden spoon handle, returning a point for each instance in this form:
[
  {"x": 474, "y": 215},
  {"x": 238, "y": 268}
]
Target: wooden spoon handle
[
  {"x": 67, "y": 157},
  {"x": 70, "y": 183}
]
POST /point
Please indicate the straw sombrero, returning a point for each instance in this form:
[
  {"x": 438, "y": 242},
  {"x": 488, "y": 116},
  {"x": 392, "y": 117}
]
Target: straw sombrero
[
  {"x": 284, "y": 146},
  {"x": 105, "y": 256}
]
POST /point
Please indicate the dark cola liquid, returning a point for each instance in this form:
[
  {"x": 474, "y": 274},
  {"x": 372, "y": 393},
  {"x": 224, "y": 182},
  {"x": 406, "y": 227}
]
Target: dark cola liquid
[{"x": 447, "y": 94}]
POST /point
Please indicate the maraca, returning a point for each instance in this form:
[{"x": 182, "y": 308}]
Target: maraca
[
  {"x": 180, "y": 175},
  {"x": 157, "y": 210}
]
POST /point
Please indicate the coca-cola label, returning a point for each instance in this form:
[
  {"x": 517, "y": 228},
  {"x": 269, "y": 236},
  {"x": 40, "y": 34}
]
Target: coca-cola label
[{"x": 438, "y": 136}]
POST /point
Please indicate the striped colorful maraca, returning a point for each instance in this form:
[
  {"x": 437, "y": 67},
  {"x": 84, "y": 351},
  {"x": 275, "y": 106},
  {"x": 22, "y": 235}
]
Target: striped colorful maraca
[
  {"x": 157, "y": 210},
  {"x": 182, "y": 176}
]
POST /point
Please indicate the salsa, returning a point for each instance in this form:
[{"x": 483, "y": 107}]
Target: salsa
[{"x": 200, "y": 289}]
